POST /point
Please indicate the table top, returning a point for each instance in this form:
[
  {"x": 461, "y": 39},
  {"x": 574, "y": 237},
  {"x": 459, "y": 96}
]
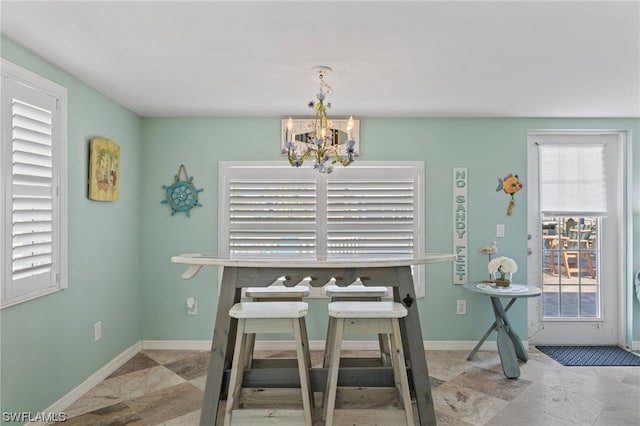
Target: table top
[
  {"x": 383, "y": 260},
  {"x": 514, "y": 290}
]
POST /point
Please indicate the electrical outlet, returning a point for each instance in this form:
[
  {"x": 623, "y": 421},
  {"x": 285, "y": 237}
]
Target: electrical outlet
[
  {"x": 97, "y": 331},
  {"x": 461, "y": 307},
  {"x": 500, "y": 230}
]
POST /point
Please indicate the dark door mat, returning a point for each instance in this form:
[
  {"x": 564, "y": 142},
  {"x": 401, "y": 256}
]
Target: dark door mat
[{"x": 591, "y": 355}]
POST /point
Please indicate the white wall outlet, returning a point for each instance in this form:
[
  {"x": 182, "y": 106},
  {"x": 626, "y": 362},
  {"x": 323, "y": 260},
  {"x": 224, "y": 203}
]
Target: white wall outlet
[
  {"x": 500, "y": 230},
  {"x": 461, "y": 307},
  {"x": 97, "y": 331}
]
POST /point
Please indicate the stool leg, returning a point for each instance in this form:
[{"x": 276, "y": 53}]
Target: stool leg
[
  {"x": 305, "y": 341},
  {"x": 383, "y": 342},
  {"x": 400, "y": 371},
  {"x": 251, "y": 343},
  {"x": 235, "y": 381},
  {"x": 329, "y": 399},
  {"x": 385, "y": 351},
  {"x": 328, "y": 346},
  {"x": 302, "y": 352}
]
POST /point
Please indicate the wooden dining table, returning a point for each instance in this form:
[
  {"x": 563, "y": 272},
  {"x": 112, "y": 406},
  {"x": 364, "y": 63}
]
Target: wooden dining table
[{"x": 383, "y": 270}]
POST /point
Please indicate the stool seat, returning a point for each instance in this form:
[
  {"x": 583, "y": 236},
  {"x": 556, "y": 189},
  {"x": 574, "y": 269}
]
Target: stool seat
[
  {"x": 277, "y": 292},
  {"x": 247, "y": 310},
  {"x": 367, "y": 310},
  {"x": 358, "y": 291}
]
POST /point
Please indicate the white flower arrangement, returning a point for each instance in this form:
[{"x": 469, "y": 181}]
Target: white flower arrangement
[{"x": 502, "y": 265}]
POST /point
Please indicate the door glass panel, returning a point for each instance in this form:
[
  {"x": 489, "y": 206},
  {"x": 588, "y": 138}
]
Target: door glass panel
[{"x": 571, "y": 285}]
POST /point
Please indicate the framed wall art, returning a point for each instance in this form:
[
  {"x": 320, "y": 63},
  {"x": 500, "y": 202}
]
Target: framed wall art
[{"x": 104, "y": 170}]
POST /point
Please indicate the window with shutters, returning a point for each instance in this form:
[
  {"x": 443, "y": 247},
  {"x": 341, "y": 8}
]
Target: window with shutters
[
  {"x": 33, "y": 206},
  {"x": 366, "y": 209}
]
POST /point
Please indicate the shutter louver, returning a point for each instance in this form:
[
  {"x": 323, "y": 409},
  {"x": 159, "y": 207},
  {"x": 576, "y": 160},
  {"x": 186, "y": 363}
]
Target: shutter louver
[
  {"x": 272, "y": 217},
  {"x": 370, "y": 217},
  {"x": 32, "y": 188}
]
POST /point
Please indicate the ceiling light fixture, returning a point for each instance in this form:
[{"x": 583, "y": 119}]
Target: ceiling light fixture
[{"x": 322, "y": 142}]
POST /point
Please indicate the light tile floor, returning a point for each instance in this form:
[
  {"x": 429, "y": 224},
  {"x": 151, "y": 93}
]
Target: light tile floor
[{"x": 167, "y": 387}]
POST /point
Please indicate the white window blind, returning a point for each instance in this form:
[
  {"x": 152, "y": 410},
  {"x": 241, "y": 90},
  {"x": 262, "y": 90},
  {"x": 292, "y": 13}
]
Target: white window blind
[
  {"x": 572, "y": 179},
  {"x": 33, "y": 191},
  {"x": 370, "y": 216},
  {"x": 366, "y": 209},
  {"x": 33, "y": 217},
  {"x": 272, "y": 217}
]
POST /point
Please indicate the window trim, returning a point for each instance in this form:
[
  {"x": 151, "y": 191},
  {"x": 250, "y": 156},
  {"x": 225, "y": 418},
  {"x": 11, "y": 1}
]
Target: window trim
[{"x": 15, "y": 73}]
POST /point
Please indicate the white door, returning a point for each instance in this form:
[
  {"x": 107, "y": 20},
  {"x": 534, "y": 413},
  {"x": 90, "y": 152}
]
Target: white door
[{"x": 577, "y": 234}]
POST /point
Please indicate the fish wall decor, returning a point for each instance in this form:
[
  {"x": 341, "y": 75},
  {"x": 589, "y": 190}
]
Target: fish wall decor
[{"x": 510, "y": 184}]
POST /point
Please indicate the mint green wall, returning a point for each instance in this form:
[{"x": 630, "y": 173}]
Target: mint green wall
[
  {"x": 46, "y": 346},
  {"x": 198, "y": 144},
  {"x": 489, "y": 148}
]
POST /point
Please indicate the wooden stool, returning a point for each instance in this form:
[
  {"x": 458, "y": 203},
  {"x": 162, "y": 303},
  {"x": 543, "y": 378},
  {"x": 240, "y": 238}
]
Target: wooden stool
[
  {"x": 367, "y": 317},
  {"x": 356, "y": 292},
  {"x": 274, "y": 293},
  {"x": 269, "y": 317}
]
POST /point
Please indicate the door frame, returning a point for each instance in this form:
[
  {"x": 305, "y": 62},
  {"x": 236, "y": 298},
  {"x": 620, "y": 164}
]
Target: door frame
[{"x": 534, "y": 269}]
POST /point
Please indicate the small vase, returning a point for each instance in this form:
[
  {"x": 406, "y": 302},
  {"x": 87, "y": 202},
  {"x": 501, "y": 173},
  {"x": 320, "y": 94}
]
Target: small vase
[
  {"x": 503, "y": 283},
  {"x": 502, "y": 280}
]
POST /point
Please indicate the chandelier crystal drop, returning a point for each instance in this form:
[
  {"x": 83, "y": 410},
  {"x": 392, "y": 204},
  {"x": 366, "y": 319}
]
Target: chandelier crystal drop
[{"x": 322, "y": 142}]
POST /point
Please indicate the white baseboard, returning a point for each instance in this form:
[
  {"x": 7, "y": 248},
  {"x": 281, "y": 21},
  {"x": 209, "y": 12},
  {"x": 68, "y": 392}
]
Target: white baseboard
[
  {"x": 92, "y": 381},
  {"x": 635, "y": 345},
  {"x": 177, "y": 345},
  {"x": 318, "y": 345}
]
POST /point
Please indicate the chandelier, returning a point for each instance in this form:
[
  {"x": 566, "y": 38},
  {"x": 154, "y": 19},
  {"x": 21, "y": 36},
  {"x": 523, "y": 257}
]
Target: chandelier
[{"x": 322, "y": 142}]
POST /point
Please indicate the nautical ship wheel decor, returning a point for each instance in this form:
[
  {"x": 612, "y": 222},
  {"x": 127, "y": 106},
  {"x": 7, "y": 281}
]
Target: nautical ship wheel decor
[{"x": 182, "y": 195}]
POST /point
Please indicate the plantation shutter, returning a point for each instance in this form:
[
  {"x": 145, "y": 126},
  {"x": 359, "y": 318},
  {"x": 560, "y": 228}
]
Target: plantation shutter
[
  {"x": 271, "y": 216},
  {"x": 270, "y": 209},
  {"x": 33, "y": 190},
  {"x": 370, "y": 216},
  {"x": 573, "y": 179}
]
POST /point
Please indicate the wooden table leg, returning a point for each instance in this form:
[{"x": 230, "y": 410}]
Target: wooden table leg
[
  {"x": 221, "y": 346},
  {"x": 506, "y": 348},
  {"x": 493, "y": 327},
  {"x": 413, "y": 346},
  {"x": 515, "y": 339}
]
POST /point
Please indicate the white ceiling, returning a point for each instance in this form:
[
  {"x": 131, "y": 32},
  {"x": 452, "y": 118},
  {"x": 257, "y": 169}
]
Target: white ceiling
[{"x": 389, "y": 59}]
